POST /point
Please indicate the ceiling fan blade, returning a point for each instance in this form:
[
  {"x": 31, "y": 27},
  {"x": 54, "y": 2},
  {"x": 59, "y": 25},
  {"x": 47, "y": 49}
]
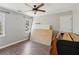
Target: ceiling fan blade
[
  {"x": 41, "y": 10},
  {"x": 28, "y": 5},
  {"x": 40, "y": 5}
]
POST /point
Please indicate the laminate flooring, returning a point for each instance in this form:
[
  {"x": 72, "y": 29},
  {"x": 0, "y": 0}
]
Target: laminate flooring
[{"x": 26, "y": 48}]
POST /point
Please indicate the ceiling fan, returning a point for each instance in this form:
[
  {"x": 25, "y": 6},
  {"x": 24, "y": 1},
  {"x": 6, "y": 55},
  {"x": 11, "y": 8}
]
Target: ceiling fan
[{"x": 35, "y": 8}]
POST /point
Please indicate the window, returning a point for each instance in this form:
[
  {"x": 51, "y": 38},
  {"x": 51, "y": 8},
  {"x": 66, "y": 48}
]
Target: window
[{"x": 2, "y": 26}]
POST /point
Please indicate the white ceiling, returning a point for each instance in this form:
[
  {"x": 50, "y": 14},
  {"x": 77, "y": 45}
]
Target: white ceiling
[{"x": 49, "y": 7}]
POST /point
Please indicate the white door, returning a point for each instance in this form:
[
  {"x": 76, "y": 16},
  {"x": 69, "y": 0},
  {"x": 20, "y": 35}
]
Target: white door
[{"x": 66, "y": 23}]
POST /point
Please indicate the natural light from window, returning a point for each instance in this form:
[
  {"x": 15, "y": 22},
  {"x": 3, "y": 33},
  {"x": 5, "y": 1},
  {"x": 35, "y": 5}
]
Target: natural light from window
[{"x": 2, "y": 24}]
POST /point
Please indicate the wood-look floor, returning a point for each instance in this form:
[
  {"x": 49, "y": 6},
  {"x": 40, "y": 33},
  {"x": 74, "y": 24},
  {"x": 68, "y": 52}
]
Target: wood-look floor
[{"x": 26, "y": 48}]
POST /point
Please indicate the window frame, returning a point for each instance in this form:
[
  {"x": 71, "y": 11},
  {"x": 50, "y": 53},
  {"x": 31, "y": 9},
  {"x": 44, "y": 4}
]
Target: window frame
[{"x": 2, "y": 24}]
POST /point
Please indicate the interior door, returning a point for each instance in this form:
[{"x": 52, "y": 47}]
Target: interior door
[{"x": 66, "y": 23}]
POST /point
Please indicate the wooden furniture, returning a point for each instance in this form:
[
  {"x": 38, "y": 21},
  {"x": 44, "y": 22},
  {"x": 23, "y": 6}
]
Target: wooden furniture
[
  {"x": 53, "y": 49},
  {"x": 75, "y": 37}
]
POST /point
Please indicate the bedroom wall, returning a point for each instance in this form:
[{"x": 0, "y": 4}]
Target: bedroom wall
[
  {"x": 76, "y": 20},
  {"x": 14, "y": 29},
  {"x": 48, "y": 20},
  {"x": 51, "y": 19}
]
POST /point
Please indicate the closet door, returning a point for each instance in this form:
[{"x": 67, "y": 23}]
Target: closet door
[{"x": 66, "y": 23}]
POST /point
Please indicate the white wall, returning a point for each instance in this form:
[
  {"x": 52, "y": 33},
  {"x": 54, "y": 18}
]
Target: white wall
[
  {"x": 66, "y": 23},
  {"x": 52, "y": 19},
  {"x": 14, "y": 29},
  {"x": 48, "y": 20},
  {"x": 76, "y": 20}
]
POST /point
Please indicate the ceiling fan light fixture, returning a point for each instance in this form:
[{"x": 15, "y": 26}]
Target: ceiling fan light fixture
[
  {"x": 34, "y": 5},
  {"x": 34, "y": 11},
  {"x": 36, "y": 8}
]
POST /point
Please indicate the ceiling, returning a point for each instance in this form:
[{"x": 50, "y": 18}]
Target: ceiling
[{"x": 49, "y": 7}]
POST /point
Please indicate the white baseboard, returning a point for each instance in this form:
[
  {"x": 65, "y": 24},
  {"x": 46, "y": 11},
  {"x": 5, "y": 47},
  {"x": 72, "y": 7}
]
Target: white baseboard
[{"x": 12, "y": 43}]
